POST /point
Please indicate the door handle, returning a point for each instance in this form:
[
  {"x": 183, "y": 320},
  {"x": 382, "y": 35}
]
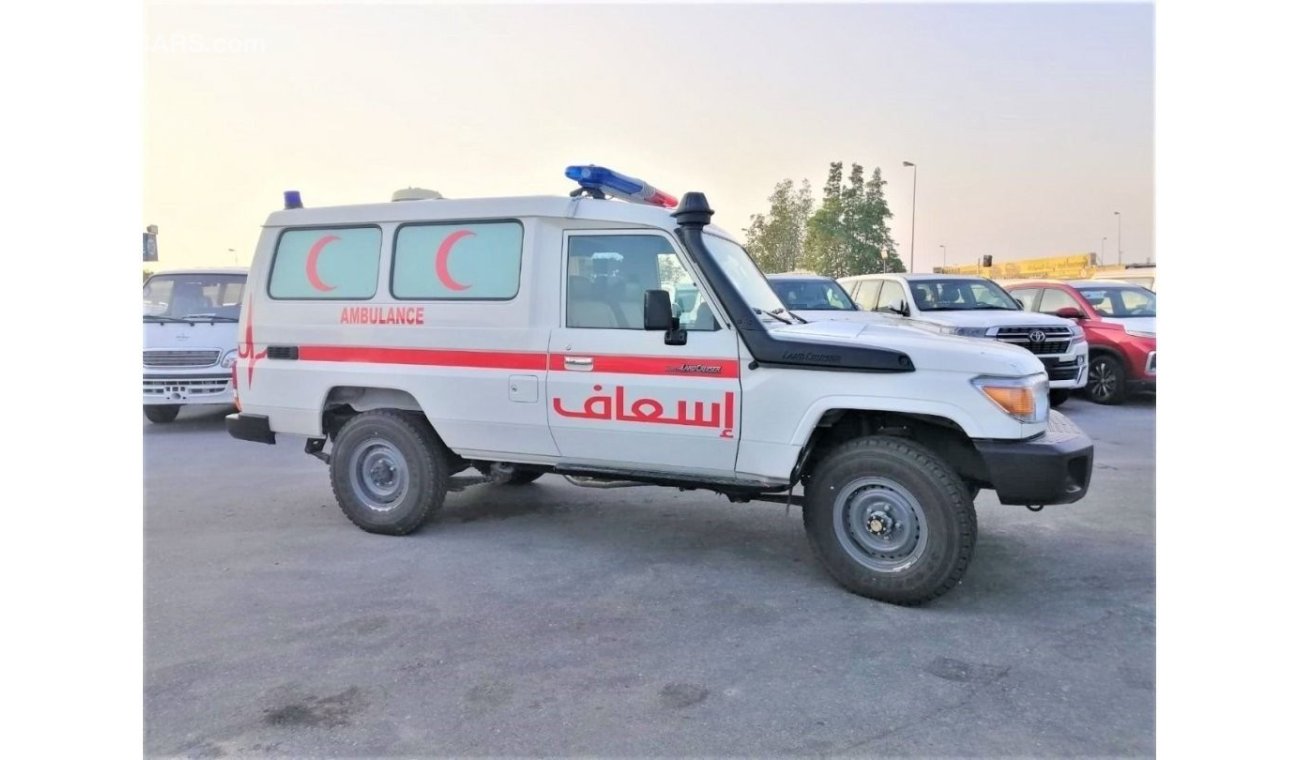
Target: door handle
[{"x": 578, "y": 363}]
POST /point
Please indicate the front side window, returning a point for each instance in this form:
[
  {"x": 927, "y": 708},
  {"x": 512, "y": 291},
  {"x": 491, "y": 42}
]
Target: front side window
[
  {"x": 960, "y": 295},
  {"x": 608, "y": 276},
  {"x": 867, "y": 293},
  {"x": 1054, "y": 300},
  {"x": 891, "y": 293},
  {"x": 1120, "y": 301},
  {"x": 193, "y": 296},
  {"x": 462, "y": 261},
  {"x": 744, "y": 274},
  {"x": 326, "y": 263}
]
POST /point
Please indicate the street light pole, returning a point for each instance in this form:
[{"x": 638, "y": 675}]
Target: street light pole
[
  {"x": 1119, "y": 236},
  {"x": 1103, "y": 250},
  {"x": 945, "y": 255},
  {"x": 911, "y": 267}
]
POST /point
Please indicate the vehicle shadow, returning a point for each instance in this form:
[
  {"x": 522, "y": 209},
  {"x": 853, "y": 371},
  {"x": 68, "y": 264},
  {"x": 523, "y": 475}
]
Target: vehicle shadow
[{"x": 191, "y": 419}]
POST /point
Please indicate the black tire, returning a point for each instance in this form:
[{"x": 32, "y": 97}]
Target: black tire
[
  {"x": 928, "y": 501},
  {"x": 161, "y": 413},
  {"x": 389, "y": 471},
  {"x": 1107, "y": 380},
  {"x": 1058, "y": 396}
]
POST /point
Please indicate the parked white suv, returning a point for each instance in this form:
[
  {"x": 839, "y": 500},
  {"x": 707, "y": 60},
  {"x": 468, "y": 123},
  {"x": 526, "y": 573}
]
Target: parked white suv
[
  {"x": 190, "y": 319},
  {"x": 610, "y": 341},
  {"x": 976, "y": 307}
]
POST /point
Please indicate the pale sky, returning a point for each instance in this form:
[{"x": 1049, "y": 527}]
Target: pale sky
[{"x": 1030, "y": 124}]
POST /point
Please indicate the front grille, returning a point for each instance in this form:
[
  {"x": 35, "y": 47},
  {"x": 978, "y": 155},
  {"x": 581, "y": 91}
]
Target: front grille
[
  {"x": 161, "y": 358},
  {"x": 1057, "y": 339}
]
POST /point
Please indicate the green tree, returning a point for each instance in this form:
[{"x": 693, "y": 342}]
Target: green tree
[
  {"x": 776, "y": 239},
  {"x": 827, "y": 243},
  {"x": 866, "y": 219}
]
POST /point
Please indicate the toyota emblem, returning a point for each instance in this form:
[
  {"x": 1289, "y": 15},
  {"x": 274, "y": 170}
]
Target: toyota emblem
[{"x": 1037, "y": 336}]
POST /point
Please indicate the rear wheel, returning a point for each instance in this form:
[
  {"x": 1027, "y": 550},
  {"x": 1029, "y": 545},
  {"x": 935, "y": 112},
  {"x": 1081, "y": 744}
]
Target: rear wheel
[
  {"x": 389, "y": 471},
  {"x": 1058, "y": 396},
  {"x": 1107, "y": 380},
  {"x": 161, "y": 413},
  {"x": 890, "y": 520}
]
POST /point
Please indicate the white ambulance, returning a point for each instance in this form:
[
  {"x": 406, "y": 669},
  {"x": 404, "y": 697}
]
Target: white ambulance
[
  {"x": 612, "y": 341},
  {"x": 190, "y": 317}
]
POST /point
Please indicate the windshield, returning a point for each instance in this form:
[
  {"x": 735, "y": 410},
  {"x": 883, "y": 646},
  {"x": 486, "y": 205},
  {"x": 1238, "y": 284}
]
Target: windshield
[
  {"x": 812, "y": 295},
  {"x": 960, "y": 295},
  {"x": 193, "y": 296},
  {"x": 744, "y": 274},
  {"x": 1110, "y": 301}
]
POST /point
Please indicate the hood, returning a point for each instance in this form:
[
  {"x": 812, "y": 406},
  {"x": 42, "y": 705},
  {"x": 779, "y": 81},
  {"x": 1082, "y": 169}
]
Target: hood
[
  {"x": 1137, "y": 324},
  {"x": 179, "y": 336},
  {"x": 928, "y": 350},
  {"x": 991, "y": 318}
]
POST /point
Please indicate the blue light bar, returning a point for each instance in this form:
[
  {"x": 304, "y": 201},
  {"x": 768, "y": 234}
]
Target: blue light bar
[
  {"x": 292, "y": 199},
  {"x": 610, "y": 182}
]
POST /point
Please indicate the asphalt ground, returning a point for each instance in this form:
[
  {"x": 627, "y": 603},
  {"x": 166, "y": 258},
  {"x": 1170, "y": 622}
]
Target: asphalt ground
[{"x": 556, "y": 620}]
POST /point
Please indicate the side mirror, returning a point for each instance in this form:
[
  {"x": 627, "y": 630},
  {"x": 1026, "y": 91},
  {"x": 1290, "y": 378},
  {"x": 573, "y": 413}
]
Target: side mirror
[
  {"x": 658, "y": 314},
  {"x": 898, "y": 307},
  {"x": 1070, "y": 312}
]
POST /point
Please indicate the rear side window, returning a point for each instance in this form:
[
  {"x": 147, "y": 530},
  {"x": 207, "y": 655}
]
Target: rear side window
[
  {"x": 329, "y": 263},
  {"x": 1026, "y": 296},
  {"x": 478, "y": 262}
]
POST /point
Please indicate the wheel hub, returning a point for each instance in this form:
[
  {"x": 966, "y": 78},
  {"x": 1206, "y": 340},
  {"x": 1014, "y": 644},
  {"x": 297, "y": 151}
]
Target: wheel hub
[
  {"x": 379, "y": 475},
  {"x": 880, "y": 523}
]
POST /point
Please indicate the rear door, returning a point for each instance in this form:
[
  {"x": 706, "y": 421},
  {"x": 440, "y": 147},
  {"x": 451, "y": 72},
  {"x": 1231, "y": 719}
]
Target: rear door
[{"x": 618, "y": 395}]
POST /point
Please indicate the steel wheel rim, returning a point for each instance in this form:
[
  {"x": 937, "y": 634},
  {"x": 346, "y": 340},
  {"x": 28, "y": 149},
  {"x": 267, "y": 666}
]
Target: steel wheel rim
[
  {"x": 880, "y": 524},
  {"x": 379, "y": 475},
  {"x": 1102, "y": 378}
]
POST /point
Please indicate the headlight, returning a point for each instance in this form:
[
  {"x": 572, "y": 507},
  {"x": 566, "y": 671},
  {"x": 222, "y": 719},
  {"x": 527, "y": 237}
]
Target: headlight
[
  {"x": 229, "y": 358},
  {"x": 1024, "y": 398},
  {"x": 1139, "y": 333},
  {"x": 1076, "y": 333},
  {"x": 966, "y": 332}
]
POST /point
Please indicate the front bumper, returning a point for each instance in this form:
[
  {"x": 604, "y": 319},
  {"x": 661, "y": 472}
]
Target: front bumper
[
  {"x": 250, "y": 427},
  {"x": 1054, "y": 468},
  {"x": 1067, "y": 371},
  {"x": 199, "y": 388}
]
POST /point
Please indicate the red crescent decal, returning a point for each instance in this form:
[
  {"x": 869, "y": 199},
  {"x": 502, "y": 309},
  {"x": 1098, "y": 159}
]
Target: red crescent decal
[
  {"x": 444, "y": 252},
  {"x": 313, "y": 276}
]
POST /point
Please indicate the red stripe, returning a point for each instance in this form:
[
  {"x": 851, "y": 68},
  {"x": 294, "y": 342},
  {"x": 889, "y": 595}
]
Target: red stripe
[
  {"x": 655, "y": 365},
  {"x": 431, "y": 357},
  {"x": 424, "y": 356}
]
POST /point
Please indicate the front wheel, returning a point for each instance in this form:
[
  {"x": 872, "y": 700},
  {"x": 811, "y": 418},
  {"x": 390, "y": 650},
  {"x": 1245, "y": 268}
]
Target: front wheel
[
  {"x": 890, "y": 520},
  {"x": 161, "y": 413},
  {"x": 389, "y": 471},
  {"x": 1107, "y": 380}
]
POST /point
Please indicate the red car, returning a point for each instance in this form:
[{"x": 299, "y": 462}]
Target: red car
[{"x": 1119, "y": 322}]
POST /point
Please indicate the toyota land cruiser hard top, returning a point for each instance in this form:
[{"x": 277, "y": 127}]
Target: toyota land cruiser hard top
[
  {"x": 979, "y": 308},
  {"x": 617, "y": 335}
]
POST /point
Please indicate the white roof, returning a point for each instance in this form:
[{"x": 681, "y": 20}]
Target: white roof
[{"x": 482, "y": 208}]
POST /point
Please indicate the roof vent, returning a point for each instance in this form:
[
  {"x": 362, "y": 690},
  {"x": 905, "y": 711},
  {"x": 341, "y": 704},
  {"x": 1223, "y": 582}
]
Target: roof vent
[{"x": 417, "y": 194}]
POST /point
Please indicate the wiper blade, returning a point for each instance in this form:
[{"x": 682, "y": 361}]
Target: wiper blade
[
  {"x": 161, "y": 318},
  {"x": 213, "y": 317},
  {"x": 991, "y": 306},
  {"x": 775, "y": 314}
]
